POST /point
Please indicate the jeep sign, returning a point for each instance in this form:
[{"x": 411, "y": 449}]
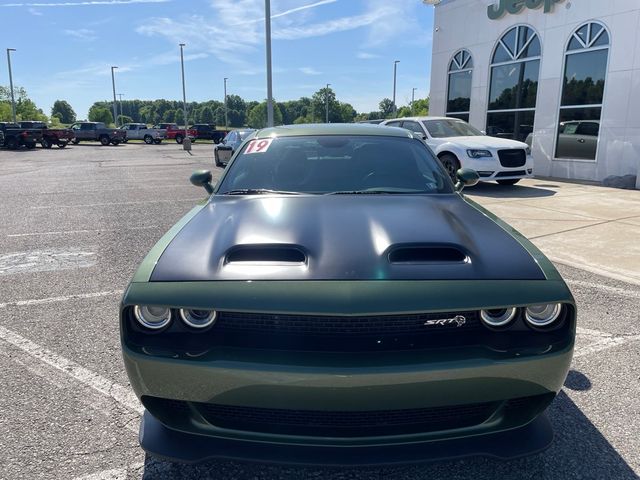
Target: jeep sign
[{"x": 516, "y": 6}]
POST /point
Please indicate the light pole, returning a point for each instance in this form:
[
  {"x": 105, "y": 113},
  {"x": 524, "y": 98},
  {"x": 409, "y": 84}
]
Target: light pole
[
  {"x": 120, "y": 95},
  {"x": 186, "y": 141},
  {"x": 326, "y": 106},
  {"x": 267, "y": 21},
  {"x": 395, "y": 74},
  {"x": 226, "y": 110},
  {"x": 413, "y": 98},
  {"x": 115, "y": 105},
  {"x": 13, "y": 100}
]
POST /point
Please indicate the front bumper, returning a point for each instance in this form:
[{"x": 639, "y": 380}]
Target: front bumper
[{"x": 490, "y": 169}]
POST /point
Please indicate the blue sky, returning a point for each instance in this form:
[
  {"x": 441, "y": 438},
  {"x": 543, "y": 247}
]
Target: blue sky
[{"x": 65, "y": 49}]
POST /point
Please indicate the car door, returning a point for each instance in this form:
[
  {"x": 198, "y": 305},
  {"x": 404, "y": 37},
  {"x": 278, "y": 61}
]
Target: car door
[
  {"x": 86, "y": 132},
  {"x": 587, "y": 133}
]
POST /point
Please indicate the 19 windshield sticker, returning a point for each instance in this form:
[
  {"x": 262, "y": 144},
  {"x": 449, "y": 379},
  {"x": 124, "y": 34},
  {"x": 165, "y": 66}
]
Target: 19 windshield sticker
[{"x": 258, "y": 146}]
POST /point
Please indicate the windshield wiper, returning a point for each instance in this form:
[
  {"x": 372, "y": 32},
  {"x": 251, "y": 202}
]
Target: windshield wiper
[
  {"x": 258, "y": 191},
  {"x": 372, "y": 192}
]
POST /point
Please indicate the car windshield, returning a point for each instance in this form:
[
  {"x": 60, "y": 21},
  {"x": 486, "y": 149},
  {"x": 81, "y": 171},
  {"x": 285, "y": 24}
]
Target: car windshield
[
  {"x": 244, "y": 133},
  {"x": 450, "y": 128},
  {"x": 335, "y": 165}
]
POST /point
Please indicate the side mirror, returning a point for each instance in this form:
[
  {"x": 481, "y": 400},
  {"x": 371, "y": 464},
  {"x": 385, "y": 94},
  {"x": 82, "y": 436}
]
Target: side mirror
[
  {"x": 484, "y": 132},
  {"x": 466, "y": 178},
  {"x": 202, "y": 178}
]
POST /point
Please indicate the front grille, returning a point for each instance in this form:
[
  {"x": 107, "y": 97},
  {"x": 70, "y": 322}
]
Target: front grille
[
  {"x": 512, "y": 158},
  {"x": 511, "y": 174},
  {"x": 345, "y": 423}
]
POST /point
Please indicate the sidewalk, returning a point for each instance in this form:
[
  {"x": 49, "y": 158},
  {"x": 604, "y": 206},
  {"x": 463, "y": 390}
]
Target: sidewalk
[{"x": 589, "y": 227}]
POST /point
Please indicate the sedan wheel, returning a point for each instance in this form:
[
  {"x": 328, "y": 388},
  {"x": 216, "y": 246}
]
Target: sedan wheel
[
  {"x": 451, "y": 165},
  {"x": 512, "y": 181},
  {"x": 157, "y": 142}
]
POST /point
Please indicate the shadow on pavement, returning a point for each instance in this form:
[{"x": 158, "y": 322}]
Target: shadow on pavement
[
  {"x": 493, "y": 190},
  {"x": 579, "y": 451}
]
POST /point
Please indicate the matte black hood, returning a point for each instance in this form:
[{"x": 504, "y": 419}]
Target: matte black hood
[{"x": 343, "y": 237}]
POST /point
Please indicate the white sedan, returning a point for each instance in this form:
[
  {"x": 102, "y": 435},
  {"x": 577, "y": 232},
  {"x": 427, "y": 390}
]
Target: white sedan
[{"x": 459, "y": 145}]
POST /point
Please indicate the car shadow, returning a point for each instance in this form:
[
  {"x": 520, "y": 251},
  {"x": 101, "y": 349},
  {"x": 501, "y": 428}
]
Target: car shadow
[
  {"x": 579, "y": 451},
  {"x": 493, "y": 190}
]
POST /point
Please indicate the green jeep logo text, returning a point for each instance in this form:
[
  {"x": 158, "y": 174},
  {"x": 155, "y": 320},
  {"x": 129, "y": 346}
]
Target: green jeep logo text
[{"x": 516, "y": 6}]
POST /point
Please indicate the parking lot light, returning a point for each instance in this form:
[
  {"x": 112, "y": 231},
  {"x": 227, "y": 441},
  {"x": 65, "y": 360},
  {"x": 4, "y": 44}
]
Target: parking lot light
[
  {"x": 267, "y": 20},
  {"x": 13, "y": 100},
  {"x": 226, "y": 110},
  {"x": 186, "y": 142},
  {"x": 395, "y": 74},
  {"x": 115, "y": 105},
  {"x": 326, "y": 99}
]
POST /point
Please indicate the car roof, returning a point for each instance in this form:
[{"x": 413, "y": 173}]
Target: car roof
[
  {"x": 418, "y": 119},
  {"x": 333, "y": 129}
]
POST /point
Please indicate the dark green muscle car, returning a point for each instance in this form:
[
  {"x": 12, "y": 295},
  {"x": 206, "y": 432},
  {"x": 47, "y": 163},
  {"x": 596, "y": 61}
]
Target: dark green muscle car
[{"x": 337, "y": 300}]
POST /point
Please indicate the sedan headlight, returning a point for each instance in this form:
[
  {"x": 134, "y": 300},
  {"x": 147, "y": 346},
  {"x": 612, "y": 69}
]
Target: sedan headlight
[
  {"x": 152, "y": 317},
  {"x": 528, "y": 150},
  {"x": 198, "y": 318},
  {"x": 479, "y": 153},
  {"x": 498, "y": 317},
  {"x": 542, "y": 315}
]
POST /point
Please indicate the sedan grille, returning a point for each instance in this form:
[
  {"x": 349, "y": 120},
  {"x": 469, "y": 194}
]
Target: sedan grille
[{"x": 512, "y": 158}]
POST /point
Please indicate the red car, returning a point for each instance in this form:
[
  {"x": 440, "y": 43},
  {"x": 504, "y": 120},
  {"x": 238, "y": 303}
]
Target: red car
[
  {"x": 177, "y": 133},
  {"x": 51, "y": 136}
]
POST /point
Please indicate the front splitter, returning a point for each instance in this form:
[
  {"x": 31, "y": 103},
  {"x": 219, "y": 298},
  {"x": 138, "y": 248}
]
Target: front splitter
[{"x": 162, "y": 442}]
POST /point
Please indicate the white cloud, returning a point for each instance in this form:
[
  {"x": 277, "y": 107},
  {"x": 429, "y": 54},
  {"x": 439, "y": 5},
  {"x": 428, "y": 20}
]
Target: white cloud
[
  {"x": 367, "y": 55},
  {"x": 81, "y": 34},
  {"x": 82, "y": 4},
  {"x": 309, "y": 71}
]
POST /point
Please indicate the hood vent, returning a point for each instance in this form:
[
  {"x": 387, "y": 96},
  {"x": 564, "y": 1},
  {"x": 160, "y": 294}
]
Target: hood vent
[
  {"x": 266, "y": 254},
  {"x": 427, "y": 254}
]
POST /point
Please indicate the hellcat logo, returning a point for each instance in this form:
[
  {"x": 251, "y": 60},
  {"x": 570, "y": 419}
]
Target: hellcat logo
[
  {"x": 516, "y": 6},
  {"x": 458, "y": 320}
]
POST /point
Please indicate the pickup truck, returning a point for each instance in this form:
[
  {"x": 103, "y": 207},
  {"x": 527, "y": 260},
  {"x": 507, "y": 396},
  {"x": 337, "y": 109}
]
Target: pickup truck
[
  {"x": 177, "y": 133},
  {"x": 50, "y": 136},
  {"x": 97, "y": 132},
  {"x": 16, "y": 137},
  {"x": 207, "y": 131},
  {"x": 140, "y": 131}
]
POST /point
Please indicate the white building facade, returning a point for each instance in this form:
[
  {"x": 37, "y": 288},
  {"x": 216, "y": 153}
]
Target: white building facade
[{"x": 563, "y": 75}]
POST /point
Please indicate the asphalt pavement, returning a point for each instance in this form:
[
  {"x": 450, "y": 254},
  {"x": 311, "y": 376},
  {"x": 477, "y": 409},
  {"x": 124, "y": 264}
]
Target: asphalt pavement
[{"x": 75, "y": 223}]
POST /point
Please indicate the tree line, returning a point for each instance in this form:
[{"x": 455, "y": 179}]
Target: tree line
[{"x": 240, "y": 112}]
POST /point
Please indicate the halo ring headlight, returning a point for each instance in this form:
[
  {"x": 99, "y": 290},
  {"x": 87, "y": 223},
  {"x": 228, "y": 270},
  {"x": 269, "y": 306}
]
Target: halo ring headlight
[
  {"x": 152, "y": 317},
  {"x": 542, "y": 315},
  {"x": 498, "y": 317},
  {"x": 198, "y": 318}
]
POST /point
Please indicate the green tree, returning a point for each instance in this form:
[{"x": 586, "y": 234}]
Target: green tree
[
  {"x": 99, "y": 113},
  {"x": 169, "y": 116},
  {"x": 206, "y": 115},
  {"x": 63, "y": 111},
  {"x": 5, "y": 112},
  {"x": 122, "y": 119},
  {"x": 257, "y": 117},
  {"x": 386, "y": 108}
]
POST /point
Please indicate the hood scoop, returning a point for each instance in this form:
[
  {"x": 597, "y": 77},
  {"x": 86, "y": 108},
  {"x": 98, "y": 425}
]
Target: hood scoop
[
  {"x": 420, "y": 254},
  {"x": 265, "y": 255}
]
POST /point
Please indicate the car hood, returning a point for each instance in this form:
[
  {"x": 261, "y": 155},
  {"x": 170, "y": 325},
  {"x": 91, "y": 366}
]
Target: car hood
[
  {"x": 343, "y": 237},
  {"x": 482, "y": 142}
]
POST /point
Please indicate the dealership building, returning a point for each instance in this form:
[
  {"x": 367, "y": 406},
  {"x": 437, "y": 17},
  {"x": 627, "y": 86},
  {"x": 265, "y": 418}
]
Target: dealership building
[{"x": 562, "y": 75}]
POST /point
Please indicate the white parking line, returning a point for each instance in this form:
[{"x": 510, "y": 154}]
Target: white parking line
[
  {"x": 124, "y": 396},
  {"x": 599, "y": 341},
  {"x": 70, "y": 232},
  {"x": 613, "y": 290},
  {"x": 40, "y": 301},
  {"x": 142, "y": 202}
]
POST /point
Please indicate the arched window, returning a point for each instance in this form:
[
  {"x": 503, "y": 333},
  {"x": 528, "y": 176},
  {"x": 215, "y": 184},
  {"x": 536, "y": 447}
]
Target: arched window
[
  {"x": 513, "y": 88},
  {"x": 585, "y": 72},
  {"x": 459, "y": 87}
]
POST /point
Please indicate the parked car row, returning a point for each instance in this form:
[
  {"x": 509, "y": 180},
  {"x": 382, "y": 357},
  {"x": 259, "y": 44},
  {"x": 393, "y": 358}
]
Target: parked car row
[{"x": 30, "y": 133}]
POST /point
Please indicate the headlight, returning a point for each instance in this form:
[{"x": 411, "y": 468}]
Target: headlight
[
  {"x": 153, "y": 318},
  {"x": 479, "y": 153},
  {"x": 198, "y": 318},
  {"x": 498, "y": 317},
  {"x": 528, "y": 150},
  {"x": 542, "y": 315}
]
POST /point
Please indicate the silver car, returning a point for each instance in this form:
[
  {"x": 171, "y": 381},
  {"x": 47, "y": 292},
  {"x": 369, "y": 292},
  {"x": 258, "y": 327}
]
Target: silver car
[{"x": 223, "y": 151}]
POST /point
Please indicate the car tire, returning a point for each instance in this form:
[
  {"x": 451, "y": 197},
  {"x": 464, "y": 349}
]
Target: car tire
[
  {"x": 45, "y": 143},
  {"x": 148, "y": 139},
  {"x": 62, "y": 144},
  {"x": 511, "y": 181},
  {"x": 193, "y": 140},
  {"x": 179, "y": 139},
  {"x": 450, "y": 164},
  {"x": 75, "y": 141},
  {"x": 30, "y": 145},
  {"x": 11, "y": 143},
  {"x": 104, "y": 140},
  {"x": 157, "y": 142}
]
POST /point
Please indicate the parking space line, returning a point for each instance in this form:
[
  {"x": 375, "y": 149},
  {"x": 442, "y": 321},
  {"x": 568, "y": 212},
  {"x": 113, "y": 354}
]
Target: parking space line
[
  {"x": 124, "y": 396},
  {"x": 142, "y": 202},
  {"x": 613, "y": 290},
  {"x": 69, "y": 232},
  {"x": 64, "y": 298},
  {"x": 601, "y": 341}
]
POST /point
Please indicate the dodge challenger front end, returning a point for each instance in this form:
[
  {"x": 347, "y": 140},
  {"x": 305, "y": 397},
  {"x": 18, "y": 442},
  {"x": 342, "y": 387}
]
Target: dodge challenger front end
[{"x": 337, "y": 300}]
